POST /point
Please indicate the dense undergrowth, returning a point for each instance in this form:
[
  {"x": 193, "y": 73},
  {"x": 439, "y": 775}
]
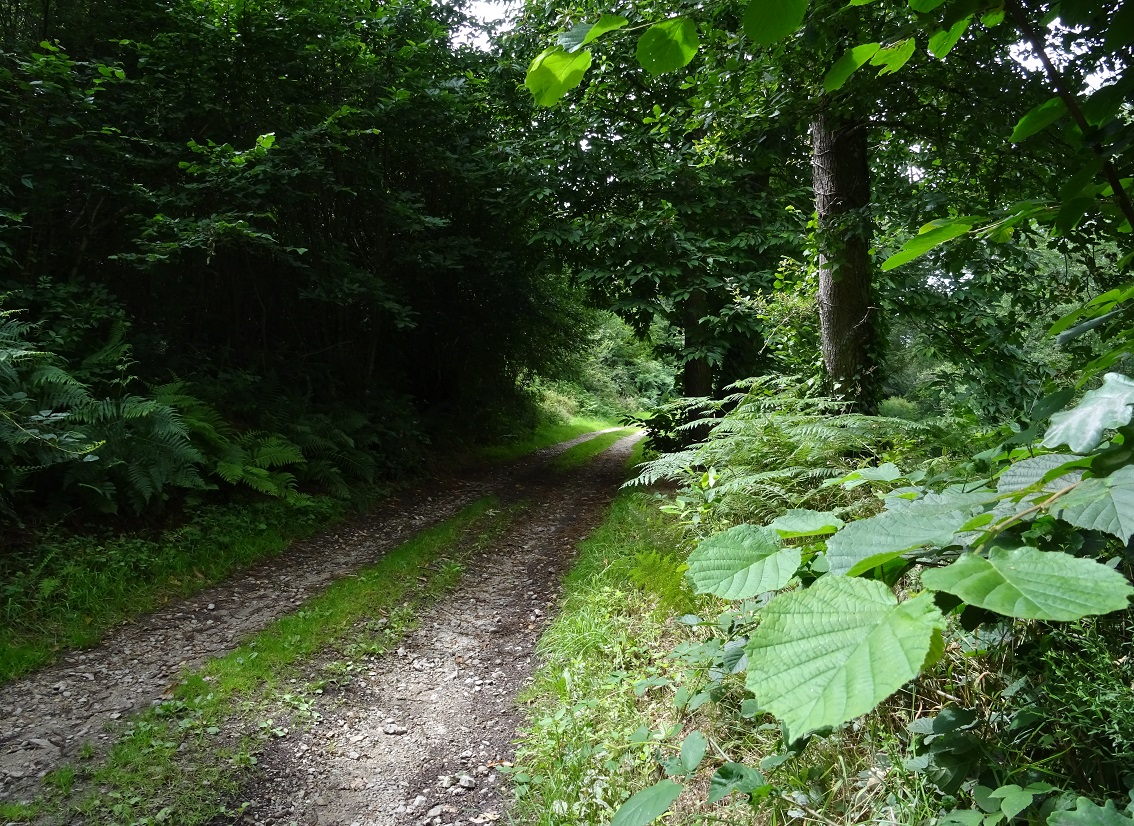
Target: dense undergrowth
[
  {"x": 648, "y": 671},
  {"x": 67, "y": 591}
]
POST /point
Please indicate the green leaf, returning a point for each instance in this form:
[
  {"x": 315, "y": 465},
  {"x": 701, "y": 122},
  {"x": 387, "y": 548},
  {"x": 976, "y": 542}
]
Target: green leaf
[
  {"x": 750, "y": 708},
  {"x": 803, "y": 522},
  {"x": 886, "y": 472},
  {"x": 573, "y": 39},
  {"x": 936, "y": 649},
  {"x": 1030, "y": 584},
  {"x": 846, "y": 65},
  {"x": 962, "y": 817},
  {"x": 1051, "y": 403},
  {"x": 647, "y": 805},
  {"x": 942, "y": 42},
  {"x": 933, "y": 520},
  {"x": 606, "y": 23},
  {"x": 693, "y": 749},
  {"x": 931, "y": 235},
  {"x": 1120, "y": 30},
  {"x": 735, "y": 777},
  {"x": 667, "y": 46},
  {"x": 1027, "y": 472},
  {"x": 949, "y": 719},
  {"x": 925, "y": 6},
  {"x": 892, "y": 58},
  {"x": 1013, "y": 799},
  {"x": 992, "y": 19},
  {"x": 827, "y": 654},
  {"x": 1039, "y": 119},
  {"x": 742, "y": 562},
  {"x": 1101, "y": 504},
  {"x": 1088, "y": 814},
  {"x": 1104, "y": 104},
  {"x": 1081, "y": 428},
  {"x": 583, "y": 33},
  {"x": 555, "y": 72},
  {"x": 770, "y": 21}
]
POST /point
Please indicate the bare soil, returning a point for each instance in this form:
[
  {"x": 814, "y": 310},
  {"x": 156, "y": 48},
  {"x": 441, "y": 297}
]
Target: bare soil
[{"x": 416, "y": 738}]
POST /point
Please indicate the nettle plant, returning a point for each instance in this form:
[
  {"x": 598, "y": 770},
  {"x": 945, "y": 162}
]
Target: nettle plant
[{"x": 837, "y": 617}]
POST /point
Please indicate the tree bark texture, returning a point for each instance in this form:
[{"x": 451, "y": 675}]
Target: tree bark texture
[
  {"x": 697, "y": 378},
  {"x": 848, "y": 316}
]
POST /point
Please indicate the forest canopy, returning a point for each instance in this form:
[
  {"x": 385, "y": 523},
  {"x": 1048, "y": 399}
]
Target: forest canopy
[{"x": 863, "y": 269}]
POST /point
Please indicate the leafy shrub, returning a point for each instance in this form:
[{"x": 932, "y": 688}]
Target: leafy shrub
[
  {"x": 838, "y": 605},
  {"x": 780, "y": 444},
  {"x": 34, "y": 432},
  {"x": 896, "y": 407}
]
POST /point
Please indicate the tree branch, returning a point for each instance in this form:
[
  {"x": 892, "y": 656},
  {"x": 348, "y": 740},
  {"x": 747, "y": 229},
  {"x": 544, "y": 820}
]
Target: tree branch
[{"x": 1024, "y": 25}]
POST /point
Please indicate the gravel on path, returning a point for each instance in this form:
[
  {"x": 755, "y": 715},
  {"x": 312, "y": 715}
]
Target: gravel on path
[
  {"x": 455, "y": 678},
  {"x": 418, "y": 740}
]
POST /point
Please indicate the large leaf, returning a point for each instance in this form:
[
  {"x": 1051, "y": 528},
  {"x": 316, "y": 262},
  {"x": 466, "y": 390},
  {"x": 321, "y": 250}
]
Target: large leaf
[
  {"x": 647, "y": 805},
  {"x": 1088, "y": 814},
  {"x": 1101, "y": 504},
  {"x": 1081, "y": 428},
  {"x": 741, "y": 562},
  {"x": 770, "y": 21},
  {"x": 846, "y": 65},
  {"x": 555, "y": 72},
  {"x": 932, "y": 235},
  {"x": 933, "y": 520},
  {"x": 667, "y": 46},
  {"x": 583, "y": 33},
  {"x": 1029, "y": 584},
  {"x": 1039, "y": 119},
  {"x": 827, "y": 654},
  {"x": 735, "y": 777},
  {"x": 942, "y": 42},
  {"x": 892, "y": 58},
  {"x": 803, "y": 522},
  {"x": 1028, "y": 472},
  {"x": 693, "y": 749}
]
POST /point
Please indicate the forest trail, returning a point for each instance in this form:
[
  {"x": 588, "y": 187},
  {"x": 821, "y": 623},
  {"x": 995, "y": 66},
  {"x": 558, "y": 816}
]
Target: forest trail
[{"x": 448, "y": 693}]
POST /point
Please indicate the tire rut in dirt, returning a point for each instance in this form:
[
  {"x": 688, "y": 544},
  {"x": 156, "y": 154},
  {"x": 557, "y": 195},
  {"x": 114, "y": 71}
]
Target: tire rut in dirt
[
  {"x": 47, "y": 716},
  {"x": 417, "y": 739}
]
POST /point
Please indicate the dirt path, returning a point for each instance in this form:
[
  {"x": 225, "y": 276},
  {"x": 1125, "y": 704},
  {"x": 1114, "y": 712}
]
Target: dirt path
[{"x": 451, "y": 688}]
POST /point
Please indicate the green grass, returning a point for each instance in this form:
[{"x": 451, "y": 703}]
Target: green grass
[
  {"x": 583, "y": 452},
  {"x": 17, "y": 812},
  {"x": 547, "y": 434},
  {"x": 181, "y": 760},
  {"x": 600, "y": 710},
  {"x": 68, "y": 591}
]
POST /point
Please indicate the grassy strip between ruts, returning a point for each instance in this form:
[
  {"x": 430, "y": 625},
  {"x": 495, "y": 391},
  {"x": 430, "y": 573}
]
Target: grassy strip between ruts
[
  {"x": 583, "y": 452},
  {"x": 68, "y": 591},
  {"x": 547, "y": 434},
  {"x": 179, "y": 761}
]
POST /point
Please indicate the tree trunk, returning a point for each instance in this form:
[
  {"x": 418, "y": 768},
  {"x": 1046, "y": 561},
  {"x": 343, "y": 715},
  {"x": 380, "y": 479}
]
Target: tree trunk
[
  {"x": 697, "y": 376},
  {"x": 848, "y": 317},
  {"x": 697, "y": 373}
]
